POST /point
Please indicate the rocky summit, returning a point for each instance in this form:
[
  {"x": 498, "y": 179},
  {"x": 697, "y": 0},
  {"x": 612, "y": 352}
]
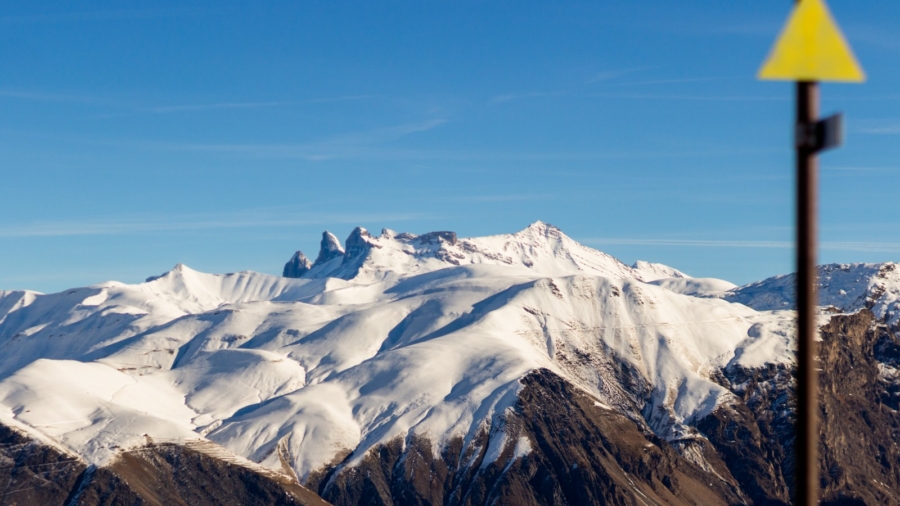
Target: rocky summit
[{"x": 401, "y": 369}]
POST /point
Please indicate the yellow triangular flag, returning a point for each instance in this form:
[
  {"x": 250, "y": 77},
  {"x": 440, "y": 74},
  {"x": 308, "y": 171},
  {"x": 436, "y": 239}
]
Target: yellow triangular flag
[{"x": 811, "y": 48}]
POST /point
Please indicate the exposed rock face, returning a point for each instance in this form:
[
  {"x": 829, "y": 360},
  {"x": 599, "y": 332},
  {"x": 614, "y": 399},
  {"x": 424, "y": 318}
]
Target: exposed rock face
[
  {"x": 357, "y": 245},
  {"x": 438, "y": 237},
  {"x": 860, "y": 460},
  {"x": 557, "y": 446},
  {"x": 297, "y": 266},
  {"x": 161, "y": 475},
  {"x": 329, "y": 249},
  {"x": 32, "y": 473},
  {"x": 754, "y": 436}
]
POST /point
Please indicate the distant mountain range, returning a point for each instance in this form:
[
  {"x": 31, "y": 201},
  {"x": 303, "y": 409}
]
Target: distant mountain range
[{"x": 430, "y": 369}]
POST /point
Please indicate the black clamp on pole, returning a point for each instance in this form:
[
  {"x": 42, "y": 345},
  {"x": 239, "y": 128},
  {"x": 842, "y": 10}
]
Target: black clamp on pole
[{"x": 817, "y": 136}]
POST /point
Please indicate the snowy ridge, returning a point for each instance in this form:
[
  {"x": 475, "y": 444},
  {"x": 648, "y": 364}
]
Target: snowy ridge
[
  {"x": 696, "y": 287},
  {"x": 540, "y": 248},
  {"x": 13, "y": 300},
  {"x": 650, "y": 271},
  {"x": 387, "y": 337},
  {"x": 847, "y": 287}
]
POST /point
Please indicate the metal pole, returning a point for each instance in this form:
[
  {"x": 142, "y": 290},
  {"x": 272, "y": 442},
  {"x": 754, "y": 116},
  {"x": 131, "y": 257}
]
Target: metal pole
[{"x": 807, "y": 484}]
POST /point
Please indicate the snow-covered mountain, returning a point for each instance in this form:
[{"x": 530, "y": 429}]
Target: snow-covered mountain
[
  {"x": 844, "y": 287},
  {"x": 542, "y": 249},
  {"x": 426, "y": 341}
]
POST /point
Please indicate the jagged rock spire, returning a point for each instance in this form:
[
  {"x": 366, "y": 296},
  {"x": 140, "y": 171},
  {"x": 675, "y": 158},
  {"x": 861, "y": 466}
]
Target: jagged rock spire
[
  {"x": 330, "y": 248},
  {"x": 297, "y": 266},
  {"x": 357, "y": 243}
]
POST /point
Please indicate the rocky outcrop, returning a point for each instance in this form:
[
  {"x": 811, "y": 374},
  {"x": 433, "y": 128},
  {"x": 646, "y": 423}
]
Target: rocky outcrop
[
  {"x": 860, "y": 425},
  {"x": 297, "y": 266},
  {"x": 558, "y": 446},
  {"x": 329, "y": 249},
  {"x": 438, "y": 238},
  {"x": 754, "y": 435},
  {"x": 860, "y": 459},
  {"x": 32, "y": 473}
]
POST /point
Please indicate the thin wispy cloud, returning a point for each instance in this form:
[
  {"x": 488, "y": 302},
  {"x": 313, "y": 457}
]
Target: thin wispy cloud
[
  {"x": 222, "y": 105},
  {"x": 615, "y": 74},
  {"x": 689, "y": 243},
  {"x": 250, "y": 104},
  {"x": 700, "y": 98},
  {"x": 380, "y": 144},
  {"x": 134, "y": 107},
  {"x": 763, "y": 27},
  {"x": 672, "y": 81},
  {"x": 661, "y": 96},
  {"x": 100, "y": 15},
  {"x": 503, "y": 197},
  {"x": 884, "y": 130},
  {"x": 860, "y": 169},
  {"x": 872, "y": 35},
  {"x": 172, "y": 223},
  {"x": 519, "y": 96},
  {"x": 604, "y": 76},
  {"x": 871, "y": 247},
  {"x": 355, "y": 144},
  {"x": 41, "y": 96}
]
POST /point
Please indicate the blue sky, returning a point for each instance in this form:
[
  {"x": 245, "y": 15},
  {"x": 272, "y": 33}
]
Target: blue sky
[{"x": 226, "y": 135}]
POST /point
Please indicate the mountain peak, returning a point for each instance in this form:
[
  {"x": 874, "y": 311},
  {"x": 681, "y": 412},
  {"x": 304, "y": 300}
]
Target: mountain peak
[
  {"x": 176, "y": 271},
  {"x": 329, "y": 248},
  {"x": 297, "y": 265},
  {"x": 542, "y": 229},
  {"x": 358, "y": 242},
  {"x": 540, "y": 247},
  {"x": 541, "y": 226}
]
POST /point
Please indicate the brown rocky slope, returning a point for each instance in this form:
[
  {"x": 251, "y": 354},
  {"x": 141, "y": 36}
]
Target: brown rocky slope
[
  {"x": 33, "y": 474},
  {"x": 860, "y": 424}
]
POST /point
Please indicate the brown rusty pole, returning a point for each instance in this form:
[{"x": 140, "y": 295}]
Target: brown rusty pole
[{"x": 807, "y": 484}]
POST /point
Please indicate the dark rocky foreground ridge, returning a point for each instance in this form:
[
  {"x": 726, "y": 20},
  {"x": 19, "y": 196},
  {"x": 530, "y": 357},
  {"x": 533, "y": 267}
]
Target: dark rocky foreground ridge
[
  {"x": 157, "y": 475},
  {"x": 578, "y": 451}
]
